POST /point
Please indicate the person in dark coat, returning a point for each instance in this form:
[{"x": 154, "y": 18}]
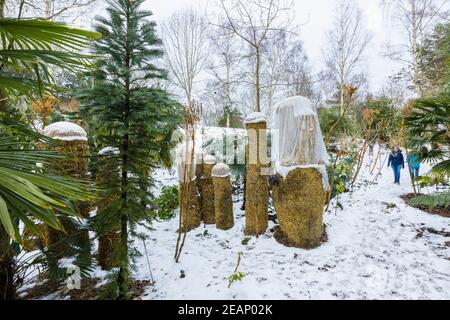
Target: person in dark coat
[{"x": 397, "y": 162}]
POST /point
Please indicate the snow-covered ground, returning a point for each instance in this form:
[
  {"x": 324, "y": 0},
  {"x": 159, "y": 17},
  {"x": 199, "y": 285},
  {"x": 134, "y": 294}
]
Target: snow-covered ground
[{"x": 375, "y": 250}]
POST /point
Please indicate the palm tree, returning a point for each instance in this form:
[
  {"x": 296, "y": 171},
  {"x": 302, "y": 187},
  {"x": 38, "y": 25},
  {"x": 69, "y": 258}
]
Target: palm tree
[
  {"x": 29, "y": 50},
  {"x": 429, "y": 128}
]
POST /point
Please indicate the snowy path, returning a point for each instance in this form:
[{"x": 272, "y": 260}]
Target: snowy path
[{"x": 373, "y": 252}]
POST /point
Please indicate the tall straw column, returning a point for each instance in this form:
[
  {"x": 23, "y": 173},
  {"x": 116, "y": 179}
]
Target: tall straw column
[
  {"x": 73, "y": 145},
  {"x": 256, "y": 188},
  {"x": 223, "y": 202},
  {"x": 108, "y": 175}
]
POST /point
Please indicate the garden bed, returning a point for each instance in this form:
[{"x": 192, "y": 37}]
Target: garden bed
[
  {"x": 90, "y": 290},
  {"x": 442, "y": 211}
]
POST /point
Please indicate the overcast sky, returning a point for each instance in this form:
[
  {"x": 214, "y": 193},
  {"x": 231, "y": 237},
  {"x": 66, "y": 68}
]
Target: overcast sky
[{"x": 319, "y": 15}]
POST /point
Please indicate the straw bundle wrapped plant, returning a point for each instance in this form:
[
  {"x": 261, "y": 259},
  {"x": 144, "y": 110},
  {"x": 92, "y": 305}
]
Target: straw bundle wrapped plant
[
  {"x": 206, "y": 189},
  {"x": 73, "y": 145},
  {"x": 256, "y": 188},
  {"x": 30, "y": 239},
  {"x": 190, "y": 217},
  {"x": 299, "y": 201},
  {"x": 108, "y": 174},
  {"x": 223, "y": 203},
  {"x": 300, "y": 194}
]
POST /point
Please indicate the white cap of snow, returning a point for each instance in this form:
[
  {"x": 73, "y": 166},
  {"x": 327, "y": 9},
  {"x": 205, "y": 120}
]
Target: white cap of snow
[
  {"x": 65, "y": 131},
  {"x": 285, "y": 170},
  {"x": 220, "y": 170},
  {"x": 255, "y": 117},
  {"x": 107, "y": 150},
  {"x": 209, "y": 159}
]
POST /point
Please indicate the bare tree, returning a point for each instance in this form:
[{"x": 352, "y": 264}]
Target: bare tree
[
  {"x": 255, "y": 22},
  {"x": 226, "y": 68},
  {"x": 285, "y": 70},
  {"x": 347, "y": 42},
  {"x": 416, "y": 18},
  {"x": 49, "y": 9},
  {"x": 395, "y": 89},
  {"x": 184, "y": 36},
  {"x": 274, "y": 56}
]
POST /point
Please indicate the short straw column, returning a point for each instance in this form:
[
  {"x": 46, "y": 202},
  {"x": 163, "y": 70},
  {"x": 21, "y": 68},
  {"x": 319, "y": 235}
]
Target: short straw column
[
  {"x": 223, "y": 203},
  {"x": 206, "y": 187}
]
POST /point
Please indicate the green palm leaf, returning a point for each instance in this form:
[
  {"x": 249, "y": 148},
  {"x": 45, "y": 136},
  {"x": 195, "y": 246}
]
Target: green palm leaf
[{"x": 32, "y": 46}]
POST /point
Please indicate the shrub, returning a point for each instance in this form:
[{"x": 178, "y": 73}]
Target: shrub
[
  {"x": 431, "y": 201},
  {"x": 166, "y": 202}
]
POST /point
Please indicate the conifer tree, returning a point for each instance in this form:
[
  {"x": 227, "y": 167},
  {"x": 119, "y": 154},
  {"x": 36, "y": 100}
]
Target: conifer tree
[{"x": 127, "y": 111}]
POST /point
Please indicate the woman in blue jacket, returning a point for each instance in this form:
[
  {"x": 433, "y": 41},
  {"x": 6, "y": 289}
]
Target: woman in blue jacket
[{"x": 397, "y": 162}]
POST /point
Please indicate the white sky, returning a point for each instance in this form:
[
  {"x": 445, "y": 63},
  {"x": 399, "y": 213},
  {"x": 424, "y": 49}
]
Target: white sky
[{"x": 319, "y": 15}]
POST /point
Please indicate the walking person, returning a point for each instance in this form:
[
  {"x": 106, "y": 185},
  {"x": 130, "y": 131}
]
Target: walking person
[
  {"x": 397, "y": 162},
  {"x": 414, "y": 165}
]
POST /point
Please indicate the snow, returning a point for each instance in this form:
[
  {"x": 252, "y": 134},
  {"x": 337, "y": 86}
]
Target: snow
[
  {"x": 376, "y": 249},
  {"x": 220, "y": 170},
  {"x": 373, "y": 252},
  {"x": 65, "y": 131},
  {"x": 107, "y": 150},
  {"x": 285, "y": 170},
  {"x": 209, "y": 159},
  {"x": 255, "y": 117}
]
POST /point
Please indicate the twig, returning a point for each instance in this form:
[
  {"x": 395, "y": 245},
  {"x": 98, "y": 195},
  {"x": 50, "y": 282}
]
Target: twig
[
  {"x": 148, "y": 261},
  {"x": 236, "y": 268}
]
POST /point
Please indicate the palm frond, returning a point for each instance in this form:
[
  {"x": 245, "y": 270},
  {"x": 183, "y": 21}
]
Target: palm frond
[
  {"x": 33, "y": 46},
  {"x": 26, "y": 188}
]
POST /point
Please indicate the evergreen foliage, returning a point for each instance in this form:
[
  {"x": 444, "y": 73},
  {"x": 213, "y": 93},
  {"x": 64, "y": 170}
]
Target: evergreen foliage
[
  {"x": 429, "y": 126},
  {"x": 126, "y": 110}
]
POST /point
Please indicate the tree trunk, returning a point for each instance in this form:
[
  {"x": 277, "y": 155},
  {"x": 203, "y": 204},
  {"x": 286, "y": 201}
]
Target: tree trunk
[
  {"x": 123, "y": 277},
  {"x": 2, "y": 8},
  {"x": 257, "y": 80},
  {"x": 342, "y": 102},
  {"x": 48, "y": 11},
  {"x": 415, "y": 50},
  {"x": 7, "y": 267}
]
